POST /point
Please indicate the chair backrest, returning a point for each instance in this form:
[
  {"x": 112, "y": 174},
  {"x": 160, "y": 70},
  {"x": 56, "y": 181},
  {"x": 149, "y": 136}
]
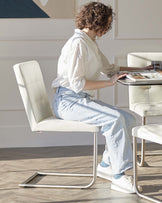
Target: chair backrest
[
  {"x": 146, "y": 94},
  {"x": 33, "y": 92}
]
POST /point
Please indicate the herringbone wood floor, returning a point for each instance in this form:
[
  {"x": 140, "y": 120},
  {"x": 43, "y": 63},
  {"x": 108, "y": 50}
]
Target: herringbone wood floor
[{"x": 18, "y": 164}]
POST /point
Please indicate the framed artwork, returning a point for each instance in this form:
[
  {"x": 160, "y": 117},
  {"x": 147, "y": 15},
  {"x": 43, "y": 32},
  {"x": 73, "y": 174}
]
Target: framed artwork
[{"x": 37, "y": 8}]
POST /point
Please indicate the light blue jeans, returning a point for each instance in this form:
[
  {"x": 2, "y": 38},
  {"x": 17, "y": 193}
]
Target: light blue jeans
[{"x": 114, "y": 124}]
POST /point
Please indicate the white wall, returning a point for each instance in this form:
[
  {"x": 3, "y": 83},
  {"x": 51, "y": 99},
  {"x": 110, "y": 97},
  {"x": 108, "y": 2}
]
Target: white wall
[{"x": 137, "y": 28}]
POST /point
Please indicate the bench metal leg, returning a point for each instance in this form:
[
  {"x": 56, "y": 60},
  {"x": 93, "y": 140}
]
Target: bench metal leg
[
  {"x": 141, "y": 160},
  {"x": 27, "y": 183},
  {"x": 135, "y": 174}
]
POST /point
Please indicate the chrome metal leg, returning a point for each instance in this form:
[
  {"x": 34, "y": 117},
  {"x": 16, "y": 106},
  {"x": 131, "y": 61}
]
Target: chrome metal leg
[
  {"x": 27, "y": 183},
  {"x": 135, "y": 174},
  {"x": 141, "y": 160}
]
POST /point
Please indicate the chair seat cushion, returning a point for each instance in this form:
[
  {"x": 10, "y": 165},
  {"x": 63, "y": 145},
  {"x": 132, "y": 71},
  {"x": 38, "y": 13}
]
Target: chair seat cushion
[
  {"x": 55, "y": 124},
  {"x": 147, "y": 109},
  {"x": 151, "y": 132}
]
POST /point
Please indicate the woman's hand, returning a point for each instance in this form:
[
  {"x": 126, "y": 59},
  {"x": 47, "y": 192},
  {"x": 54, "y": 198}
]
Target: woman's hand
[
  {"x": 116, "y": 77},
  {"x": 93, "y": 85}
]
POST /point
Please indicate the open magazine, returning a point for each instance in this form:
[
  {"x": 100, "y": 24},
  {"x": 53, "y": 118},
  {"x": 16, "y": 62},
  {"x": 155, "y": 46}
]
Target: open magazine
[{"x": 145, "y": 76}]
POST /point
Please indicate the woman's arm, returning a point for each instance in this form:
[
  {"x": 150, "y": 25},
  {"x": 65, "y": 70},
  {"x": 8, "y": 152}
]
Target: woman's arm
[
  {"x": 92, "y": 85},
  {"x": 123, "y": 68}
]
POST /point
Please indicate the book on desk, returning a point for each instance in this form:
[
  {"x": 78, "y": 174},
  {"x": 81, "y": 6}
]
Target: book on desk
[{"x": 145, "y": 76}]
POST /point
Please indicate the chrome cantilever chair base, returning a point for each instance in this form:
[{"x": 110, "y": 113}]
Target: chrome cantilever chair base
[{"x": 27, "y": 183}]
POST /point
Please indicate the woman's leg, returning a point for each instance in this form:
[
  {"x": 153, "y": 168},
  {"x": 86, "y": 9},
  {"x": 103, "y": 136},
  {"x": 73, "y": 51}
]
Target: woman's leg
[
  {"x": 130, "y": 122},
  {"x": 71, "y": 106}
]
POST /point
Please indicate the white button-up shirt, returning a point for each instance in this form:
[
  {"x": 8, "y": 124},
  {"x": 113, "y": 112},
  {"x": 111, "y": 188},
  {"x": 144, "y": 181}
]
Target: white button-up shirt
[{"x": 81, "y": 60}]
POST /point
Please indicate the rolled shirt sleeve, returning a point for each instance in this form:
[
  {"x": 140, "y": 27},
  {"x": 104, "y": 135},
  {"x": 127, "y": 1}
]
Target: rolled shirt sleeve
[{"x": 76, "y": 73}]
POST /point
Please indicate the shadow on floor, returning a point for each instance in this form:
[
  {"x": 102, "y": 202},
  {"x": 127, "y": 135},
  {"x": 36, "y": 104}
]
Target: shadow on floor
[{"x": 47, "y": 152}]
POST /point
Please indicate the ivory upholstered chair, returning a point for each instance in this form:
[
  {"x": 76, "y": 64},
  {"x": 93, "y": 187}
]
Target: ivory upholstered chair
[
  {"x": 33, "y": 92},
  {"x": 145, "y": 100},
  {"x": 153, "y": 133}
]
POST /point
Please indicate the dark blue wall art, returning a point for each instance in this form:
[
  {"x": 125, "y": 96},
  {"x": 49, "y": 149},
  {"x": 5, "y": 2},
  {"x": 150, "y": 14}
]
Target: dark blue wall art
[{"x": 21, "y": 9}]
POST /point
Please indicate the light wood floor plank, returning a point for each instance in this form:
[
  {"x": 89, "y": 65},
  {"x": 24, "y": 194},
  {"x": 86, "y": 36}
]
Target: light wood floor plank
[{"x": 18, "y": 164}]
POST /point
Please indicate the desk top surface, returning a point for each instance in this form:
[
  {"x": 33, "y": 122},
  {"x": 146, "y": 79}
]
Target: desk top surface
[
  {"x": 129, "y": 82},
  {"x": 140, "y": 78}
]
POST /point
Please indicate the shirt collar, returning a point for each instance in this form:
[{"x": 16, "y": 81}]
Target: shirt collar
[{"x": 83, "y": 34}]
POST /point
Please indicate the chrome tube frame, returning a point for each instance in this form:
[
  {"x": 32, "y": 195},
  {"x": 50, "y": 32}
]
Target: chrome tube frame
[
  {"x": 142, "y": 159},
  {"x": 27, "y": 183},
  {"x": 135, "y": 173}
]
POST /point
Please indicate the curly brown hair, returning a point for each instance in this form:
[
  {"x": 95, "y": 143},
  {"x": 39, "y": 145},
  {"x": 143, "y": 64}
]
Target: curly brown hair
[{"x": 94, "y": 16}]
